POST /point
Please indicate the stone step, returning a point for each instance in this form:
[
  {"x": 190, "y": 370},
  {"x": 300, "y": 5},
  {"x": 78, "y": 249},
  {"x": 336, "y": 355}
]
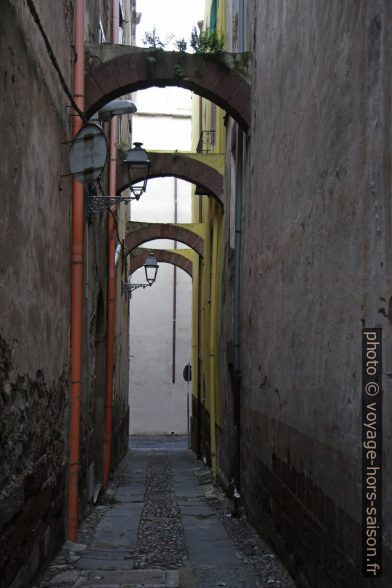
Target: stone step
[{"x": 134, "y": 579}]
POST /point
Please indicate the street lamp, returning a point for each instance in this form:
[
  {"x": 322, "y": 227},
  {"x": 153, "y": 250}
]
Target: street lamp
[
  {"x": 138, "y": 166},
  {"x": 88, "y": 156},
  {"x": 116, "y": 108},
  {"x": 151, "y": 268}
]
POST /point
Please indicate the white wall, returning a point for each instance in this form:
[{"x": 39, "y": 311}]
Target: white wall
[
  {"x": 163, "y": 122},
  {"x": 157, "y": 406}
]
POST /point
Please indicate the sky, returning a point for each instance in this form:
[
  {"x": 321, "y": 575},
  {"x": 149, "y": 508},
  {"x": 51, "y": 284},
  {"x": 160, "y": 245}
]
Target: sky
[{"x": 169, "y": 17}]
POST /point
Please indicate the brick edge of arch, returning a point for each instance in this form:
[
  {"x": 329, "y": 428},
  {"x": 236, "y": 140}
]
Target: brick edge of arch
[
  {"x": 179, "y": 165},
  {"x": 139, "y": 233},
  {"x": 139, "y": 255},
  {"x": 115, "y": 70}
]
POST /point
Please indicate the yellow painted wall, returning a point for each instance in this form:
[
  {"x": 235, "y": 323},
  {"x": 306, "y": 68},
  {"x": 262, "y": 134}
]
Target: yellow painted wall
[{"x": 207, "y": 211}]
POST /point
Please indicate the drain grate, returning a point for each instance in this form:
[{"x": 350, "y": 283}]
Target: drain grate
[{"x": 135, "y": 578}]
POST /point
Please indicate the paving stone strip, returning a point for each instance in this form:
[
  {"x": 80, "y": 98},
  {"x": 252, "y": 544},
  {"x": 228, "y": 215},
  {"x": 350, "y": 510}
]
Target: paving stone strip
[
  {"x": 160, "y": 538},
  {"x": 163, "y": 523}
]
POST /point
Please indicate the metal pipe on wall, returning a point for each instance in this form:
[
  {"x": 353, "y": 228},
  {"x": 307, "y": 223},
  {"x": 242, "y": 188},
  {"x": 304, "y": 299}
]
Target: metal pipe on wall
[
  {"x": 212, "y": 345},
  {"x": 111, "y": 286},
  {"x": 174, "y": 291},
  {"x": 76, "y": 288},
  {"x": 199, "y": 370},
  {"x": 236, "y": 293}
]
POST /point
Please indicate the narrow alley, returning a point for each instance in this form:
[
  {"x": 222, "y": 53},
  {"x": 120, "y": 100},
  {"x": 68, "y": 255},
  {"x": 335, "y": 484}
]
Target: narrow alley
[
  {"x": 163, "y": 523},
  {"x": 195, "y": 293}
]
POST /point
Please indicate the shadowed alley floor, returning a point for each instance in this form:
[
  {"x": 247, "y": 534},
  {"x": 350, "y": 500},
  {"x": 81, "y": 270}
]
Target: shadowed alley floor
[{"x": 163, "y": 523}]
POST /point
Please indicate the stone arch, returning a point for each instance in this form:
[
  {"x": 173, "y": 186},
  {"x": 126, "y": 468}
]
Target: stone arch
[
  {"x": 115, "y": 70},
  {"x": 139, "y": 233},
  {"x": 138, "y": 257},
  {"x": 181, "y": 166}
]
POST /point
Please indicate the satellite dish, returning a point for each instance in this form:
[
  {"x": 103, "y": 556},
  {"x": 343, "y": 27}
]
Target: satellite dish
[{"x": 88, "y": 153}]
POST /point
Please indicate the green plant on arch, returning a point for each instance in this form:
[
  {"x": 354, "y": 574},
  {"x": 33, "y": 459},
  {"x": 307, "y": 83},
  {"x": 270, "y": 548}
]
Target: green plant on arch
[{"x": 208, "y": 42}]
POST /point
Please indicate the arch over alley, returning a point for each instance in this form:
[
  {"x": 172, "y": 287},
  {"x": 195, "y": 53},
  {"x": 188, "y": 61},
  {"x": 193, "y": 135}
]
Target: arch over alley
[
  {"x": 190, "y": 167},
  {"x": 139, "y": 233},
  {"x": 115, "y": 70},
  {"x": 139, "y": 255}
]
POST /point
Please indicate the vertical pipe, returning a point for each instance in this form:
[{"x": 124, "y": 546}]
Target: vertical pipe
[
  {"x": 195, "y": 347},
  {"x": 212, "y": 347},
  {"x": 236, "y": 295},
  {"x": 86, "y": 336},
  {"x": 199, "y": 363},
  {"x": 199, "y": 318},
  {"x": 76, "y": 289},
  {"x": 236, "y": 304},
  {"x": 241, "y": 30},
  {"x": 174, "y": 293},
  {"x": 111, "y": 286},
  {"x": 200, "y": 132},
  {"x": 205, "y": 305}
]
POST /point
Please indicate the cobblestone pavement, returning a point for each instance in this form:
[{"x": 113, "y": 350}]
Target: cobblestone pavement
[
  {"x": 160, "y": 537},
  {"x": 163, "y": 523}
]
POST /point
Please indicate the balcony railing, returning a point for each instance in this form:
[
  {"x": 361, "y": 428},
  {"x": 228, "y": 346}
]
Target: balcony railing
[{"x": 206, "y": 142}]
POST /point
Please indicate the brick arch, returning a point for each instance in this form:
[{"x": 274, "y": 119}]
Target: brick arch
[
  {"x": 115, "y": 70},
  {"x": 139, "y": 233},
  {"x": 138, "y": 257},
  {"x": 180, "y": 166}
]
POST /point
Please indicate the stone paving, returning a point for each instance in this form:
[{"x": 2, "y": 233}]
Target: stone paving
[{"x": 163, "y": 523}]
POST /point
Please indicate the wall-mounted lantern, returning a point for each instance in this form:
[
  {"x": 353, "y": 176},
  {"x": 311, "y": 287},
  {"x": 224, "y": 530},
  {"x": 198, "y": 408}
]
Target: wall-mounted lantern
[
  {"x": 138, "y": 166},
  {"x": 88, "y": 156},
  {"x": 151, "y": 268}
]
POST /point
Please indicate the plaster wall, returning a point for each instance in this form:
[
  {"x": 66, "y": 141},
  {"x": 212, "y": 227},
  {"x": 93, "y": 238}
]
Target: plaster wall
[
  {"x": 315, "y": 269},
  {"x": 157, "y": 404}
]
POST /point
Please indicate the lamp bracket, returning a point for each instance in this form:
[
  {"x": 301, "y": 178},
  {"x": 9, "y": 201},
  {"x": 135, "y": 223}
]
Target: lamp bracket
[
  {"x": 128, "y": 288},
  {"x": 98, "y": 204}
]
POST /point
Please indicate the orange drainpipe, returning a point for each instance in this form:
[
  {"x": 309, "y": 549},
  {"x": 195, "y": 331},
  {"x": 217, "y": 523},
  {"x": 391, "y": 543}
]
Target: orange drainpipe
[
  {"x": 111, "y": 290},
  {"x": 76, "y": 289}
]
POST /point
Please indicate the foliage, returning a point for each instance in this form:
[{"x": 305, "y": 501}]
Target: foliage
[
  {"x": 207, "y": 42},
  {"x": 181, "y": 45},
  {"x": 152, "y": 40},
  {"x": 178, "y": 71}
]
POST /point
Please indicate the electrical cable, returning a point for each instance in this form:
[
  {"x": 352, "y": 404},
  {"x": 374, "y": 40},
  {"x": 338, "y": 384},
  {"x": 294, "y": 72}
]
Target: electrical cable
[
  {"x": 52, "y": 58},
  {"x": 99, "y": 183},
  {"x": 115, "y": 224}
]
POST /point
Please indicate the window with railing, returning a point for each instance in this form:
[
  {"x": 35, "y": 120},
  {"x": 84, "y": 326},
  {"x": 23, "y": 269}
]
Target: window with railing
[{"x": 206, "y": 142}]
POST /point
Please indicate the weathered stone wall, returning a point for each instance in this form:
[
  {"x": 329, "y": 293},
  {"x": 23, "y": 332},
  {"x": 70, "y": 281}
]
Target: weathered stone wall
[
  {"x": 34, "y": 286},
  {"x": 35, "y": 123},
  {"x": 316, "y": 267}
]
